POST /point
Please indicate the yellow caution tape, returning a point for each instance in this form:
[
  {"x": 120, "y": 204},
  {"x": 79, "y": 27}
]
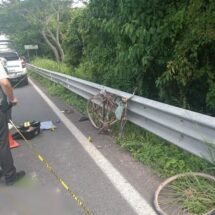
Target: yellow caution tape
[
  {"x": 64, "y": 185},
  {"x": 87, "y": 211},
  {"x": 40, "y": 158},
  {"x": 89, "y": 139}
]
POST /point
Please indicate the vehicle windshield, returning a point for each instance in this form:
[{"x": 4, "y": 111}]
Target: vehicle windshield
[
  {"x": 6, "y": 44},
  {"x": 9, "y": 56}
]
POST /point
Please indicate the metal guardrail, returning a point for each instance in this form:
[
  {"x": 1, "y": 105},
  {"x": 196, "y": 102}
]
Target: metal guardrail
[{"x": 191, "y": 131}]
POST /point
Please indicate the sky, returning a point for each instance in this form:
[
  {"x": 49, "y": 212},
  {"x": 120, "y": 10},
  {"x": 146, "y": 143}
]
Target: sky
[{"x": 77, "y": 3}]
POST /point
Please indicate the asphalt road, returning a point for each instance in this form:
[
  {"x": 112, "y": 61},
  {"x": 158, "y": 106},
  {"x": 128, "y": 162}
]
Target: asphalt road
[{"x": 90, "y": 181}]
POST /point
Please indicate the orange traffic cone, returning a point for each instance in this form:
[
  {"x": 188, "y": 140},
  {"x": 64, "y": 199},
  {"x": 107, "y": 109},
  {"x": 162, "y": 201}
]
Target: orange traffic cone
[{"x": 12, "y": 142}]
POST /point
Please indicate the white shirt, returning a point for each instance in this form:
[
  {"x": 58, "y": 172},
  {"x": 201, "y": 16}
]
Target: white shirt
[{"x": 3, "y": 73}]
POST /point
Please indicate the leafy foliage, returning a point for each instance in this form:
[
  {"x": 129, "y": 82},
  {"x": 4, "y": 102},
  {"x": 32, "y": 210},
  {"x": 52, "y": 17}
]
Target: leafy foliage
[
  {"x": 73, "y": 40},
  {"x": 42, "y": 18},
  {"x": 53, "y": 66},
  {"x": 164, "y": 48}
]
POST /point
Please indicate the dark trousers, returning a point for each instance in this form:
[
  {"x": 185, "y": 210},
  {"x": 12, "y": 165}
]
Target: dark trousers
[{"x": 6, "y": 159}]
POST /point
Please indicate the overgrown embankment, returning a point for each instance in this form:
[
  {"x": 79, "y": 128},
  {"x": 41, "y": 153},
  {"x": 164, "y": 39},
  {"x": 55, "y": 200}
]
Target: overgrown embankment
[{"x": 166, "y": 159}]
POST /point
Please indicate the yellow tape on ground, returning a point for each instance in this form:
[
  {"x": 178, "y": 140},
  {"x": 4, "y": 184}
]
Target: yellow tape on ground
[
  {"x": 40, "y": 158},
  {"x": 50, "y": 169},
  {"x": 64, "y": 184}
]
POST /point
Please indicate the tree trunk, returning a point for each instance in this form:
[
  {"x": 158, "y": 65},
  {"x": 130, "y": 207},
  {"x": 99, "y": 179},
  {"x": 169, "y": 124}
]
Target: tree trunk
[
  {"x": 58, "y": 36},
  {"x": 58, "y": 45},
  {"x": 53, "y": 48}
]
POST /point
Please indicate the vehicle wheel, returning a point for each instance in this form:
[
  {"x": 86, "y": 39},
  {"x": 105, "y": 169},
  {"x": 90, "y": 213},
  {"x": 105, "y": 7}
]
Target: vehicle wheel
[
  {"x": 25, "y": 81},
  {"x": 187, "y": 194}
]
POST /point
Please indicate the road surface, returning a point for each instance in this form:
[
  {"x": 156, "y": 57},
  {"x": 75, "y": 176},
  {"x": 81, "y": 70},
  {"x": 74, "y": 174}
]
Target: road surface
[{"x": 104, "y": 176}]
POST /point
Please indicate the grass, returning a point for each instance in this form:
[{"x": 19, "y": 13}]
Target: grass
[
  {"x": 53, "y": 66},
  {"x": 191, "y": 193},
  {"x": 164, "y": 158},
  {"x": 198, "y": 195}
]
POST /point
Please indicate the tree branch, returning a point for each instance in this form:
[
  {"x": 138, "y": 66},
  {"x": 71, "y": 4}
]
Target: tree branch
[
  {"x": 53, "y": 48},
  {"x": 57, "y": 43}
]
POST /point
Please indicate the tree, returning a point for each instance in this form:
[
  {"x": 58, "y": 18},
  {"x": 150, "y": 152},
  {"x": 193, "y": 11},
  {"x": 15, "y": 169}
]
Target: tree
[
  {"x": 43, "y": 16},
  {"x": 164, "y": 48},
  {"x": 73, "y": 41}
]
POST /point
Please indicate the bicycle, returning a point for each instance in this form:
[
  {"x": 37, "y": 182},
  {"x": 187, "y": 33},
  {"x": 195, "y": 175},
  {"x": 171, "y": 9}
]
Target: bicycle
[
  {"x": 186, "y": 194},
  {"x": 105, "y": 109}
]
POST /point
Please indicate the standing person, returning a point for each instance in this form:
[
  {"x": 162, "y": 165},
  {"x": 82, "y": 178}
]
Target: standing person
[{"x": 8, "y": 169}]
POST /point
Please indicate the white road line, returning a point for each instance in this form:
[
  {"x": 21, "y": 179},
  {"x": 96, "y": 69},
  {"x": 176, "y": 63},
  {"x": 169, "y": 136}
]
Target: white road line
[{"x": 127, "y": 191}]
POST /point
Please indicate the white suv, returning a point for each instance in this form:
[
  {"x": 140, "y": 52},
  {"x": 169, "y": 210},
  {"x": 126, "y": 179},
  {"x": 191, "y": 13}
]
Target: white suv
[{"x": 16, "y": 67}]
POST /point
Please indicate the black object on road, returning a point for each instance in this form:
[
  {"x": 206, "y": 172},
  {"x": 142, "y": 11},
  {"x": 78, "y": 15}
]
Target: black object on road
[
  {"x": 83, "y": 118},
  {"x": 28, "y": 129}
]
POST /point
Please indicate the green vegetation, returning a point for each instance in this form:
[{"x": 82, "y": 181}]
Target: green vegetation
[
  {"x": 201, "y": 195},
  {"x": 53, "y": 66},
  {"x": 35, "y": 22},
  {"x": 194, "y": 194},
  {"x": 165, "y": 158},
  {"x": 164, "y": 48}
]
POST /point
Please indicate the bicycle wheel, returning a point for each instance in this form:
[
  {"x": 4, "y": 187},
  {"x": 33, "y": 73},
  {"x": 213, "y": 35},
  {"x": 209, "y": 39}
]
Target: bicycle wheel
[
  {"x": 100, "y": 111},
  {"x": 186, "y": 194}
]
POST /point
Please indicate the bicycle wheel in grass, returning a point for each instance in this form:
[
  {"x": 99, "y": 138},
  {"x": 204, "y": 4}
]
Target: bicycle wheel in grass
[
  {"x": 100, "y": 111},
  {"x": 186, "y": 194}
]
